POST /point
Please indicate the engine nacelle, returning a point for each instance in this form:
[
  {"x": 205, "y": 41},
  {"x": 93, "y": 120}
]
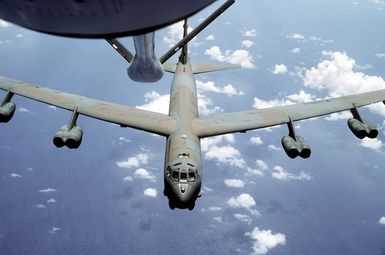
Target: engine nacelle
[
  {"x": 362, "y": 129},
  {"x": 6, "y": 112},
  {"x": 145, "y": 66},
  {"x": 71, "y": 138},
  {"x": 294, "y": 148}
]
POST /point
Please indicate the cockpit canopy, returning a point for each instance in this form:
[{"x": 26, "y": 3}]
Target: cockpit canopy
[{"x": 182, "y": 171}]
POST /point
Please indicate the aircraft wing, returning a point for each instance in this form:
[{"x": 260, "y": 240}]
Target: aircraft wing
[
  {"x": 119, "y": 114},
  {"x": 225, "y": 123}
]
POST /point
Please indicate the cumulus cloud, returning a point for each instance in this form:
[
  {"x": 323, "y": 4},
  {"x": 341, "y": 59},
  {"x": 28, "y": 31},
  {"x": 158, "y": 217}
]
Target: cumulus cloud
[
  {"x": 40, "y": 206},
  {"x": 243, "y": 217},
  {"x": 245, "y": 201},
  {"x": 272, "y": 147},
  {"x": 264, "y": 240},
  {"x": 156, "y": 102},
  {"x": 141, "y": 158},
  {"x": 210, "y": 38},
  {"x": 22, "y": 109},
  {"x": 256, "y": 140},
  {"x": 247, "y": 43},
  {"x": 14, "y": 175},
  {"x": 295, "y": 36},
  {"x": 206, "y": 143},
  {"x": 226, "y": 155},
  {"x": 47, "y": 190},
  {"x": 280, "y": 173},
  {"x": 261, "y": 164},
  {"x": 150, "y": 192},
  {"x": 382, "y": 221},
  {"x": 338, "y": 76},
  {"x": 301, "y": 97},
  {"x": 295, "y": 50},
  {"x": 250, "y": 33},
  {"x": 128, "y": 179},
  {"x": 373, "y": 144},
  {"x": 234, "y": 183},
  {"x": 210, "y": 86},
  {"x": 241, "y": 57},
  {"x": 212, "y": 209},
  {"x": 380, "y": 55},
  {"x": 51, "y": 200},
  {"x": 174, "y": 33},
  {"x": 142, "y": 173},
  {"x": 123, "y": 139},
  {"x": 280, "y": 69}
]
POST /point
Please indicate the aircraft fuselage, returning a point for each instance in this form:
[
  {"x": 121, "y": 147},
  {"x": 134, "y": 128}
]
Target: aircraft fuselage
[{"x": 182, "y": 171}]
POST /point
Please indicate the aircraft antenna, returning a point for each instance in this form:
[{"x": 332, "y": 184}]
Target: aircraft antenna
[{"x": 183, "y": 56}]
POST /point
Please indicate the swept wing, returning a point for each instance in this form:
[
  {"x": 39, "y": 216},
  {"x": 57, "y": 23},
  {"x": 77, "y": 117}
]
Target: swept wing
[{"x": 225, "y": 123}]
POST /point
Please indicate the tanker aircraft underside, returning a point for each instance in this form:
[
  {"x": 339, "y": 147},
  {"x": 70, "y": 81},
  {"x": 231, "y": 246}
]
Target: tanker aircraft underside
[{"x": 183, "y": 127}]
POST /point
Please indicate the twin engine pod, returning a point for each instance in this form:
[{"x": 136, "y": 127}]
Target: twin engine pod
[
  {"x": 72, "y": 138},
  {"x": 362, "y": 128},
  {"x": 6, "y": 112},
  {"x": 296, "y": 147}
]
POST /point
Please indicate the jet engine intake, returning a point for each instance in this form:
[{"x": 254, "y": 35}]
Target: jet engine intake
[
  {"x": 6, "y": 112},
  {"x": 296, "y": 147},
  {"x": 362, "y": 129},
  {"x": 145, "y": 66},
  {"x": 72, "y": 138}
]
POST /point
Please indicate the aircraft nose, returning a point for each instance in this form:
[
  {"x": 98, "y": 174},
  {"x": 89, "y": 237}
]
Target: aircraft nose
[{"x": 184, "y": 192}]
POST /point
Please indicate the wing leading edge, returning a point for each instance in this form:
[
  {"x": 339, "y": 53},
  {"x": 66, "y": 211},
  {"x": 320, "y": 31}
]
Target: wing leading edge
[
  {"x": 119, "y": 114},
  {"x": 225, "y": 123}
]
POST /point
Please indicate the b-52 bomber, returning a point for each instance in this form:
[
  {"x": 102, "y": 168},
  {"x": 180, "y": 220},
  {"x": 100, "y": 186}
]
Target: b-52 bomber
[{"x": 183, "y": 127}]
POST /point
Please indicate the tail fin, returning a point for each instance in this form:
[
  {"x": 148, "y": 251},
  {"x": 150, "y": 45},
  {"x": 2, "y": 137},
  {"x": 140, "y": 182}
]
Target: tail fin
[{"x": 201, "y": 67}]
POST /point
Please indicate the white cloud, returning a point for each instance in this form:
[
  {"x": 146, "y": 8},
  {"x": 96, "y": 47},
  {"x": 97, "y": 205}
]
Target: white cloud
[
  {"x": 245, "y": 201},
  {"x": 228, "y": 90},
  {"x": 226, "y": 155},
  {"x": 272, "y": 147},
  {"x": 214, "y": 208},
  {"x": 156, "y": 102},
  {"x": 40, "y": 206},
  {"x": 205, "y": 105},
  {"x": 218, "y": 219},
  {"x": 296, "y": 50},
  {"x": 4, "y": 24},
  {"x": 135, "y": 161},
  {"x": 373, "y": 144},
  {"x": 280, "y": 173},
  {"x": 206, "y": 143},
  {"x": 256, "y": 140},
  {"x": 128, "y": 179},
  {"x": 261, "y": 164},
  {"x": 380, "y": 55},
  {"x": 264, "y": 240},
  {"x": 234, "y": 183},
  {"x": 123, "y": 139},
  {"x": 243, "y": 217},
  {"x": 19, "y": 35},
  {"x": 337, "y": 75},
  {"x": 250, "y": 33},
  {"x": 301, "y": 97},
  {"x": 174, "y": 33},
  {"x": 22, "y": 109},
  {"x": 247, "y": 43},
  {"x": 150, "y": 192},
  {"x": 296, "y": 36},
  {"x": 280, "y": 69},
  {"x": 382, "y": 221},
  {"x": 52, "y": 107},
  {"x": 241, "y": 57},
  {"x": 142, "y": 173},
  {"x": 13, "y": 175},
  {"x": 339, "y": 116},
  {"x": 53, "y": 230},
  {"x": 47, "y": 190},
  {"x": 210, "y": 38},
  {"x": 51, "y": 200}
]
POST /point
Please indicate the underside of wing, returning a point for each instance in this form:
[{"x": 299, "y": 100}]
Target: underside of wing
[
  {"x": 119, "y": 114},
  {"x": 218, "y": 124}
]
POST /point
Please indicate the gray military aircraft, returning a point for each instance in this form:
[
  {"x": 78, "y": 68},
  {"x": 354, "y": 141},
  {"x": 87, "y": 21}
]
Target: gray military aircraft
[{"x": 183, "y": 127}]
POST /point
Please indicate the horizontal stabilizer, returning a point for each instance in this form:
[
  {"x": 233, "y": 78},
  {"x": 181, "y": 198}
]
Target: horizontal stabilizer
[{"x": 201, "y": 67}]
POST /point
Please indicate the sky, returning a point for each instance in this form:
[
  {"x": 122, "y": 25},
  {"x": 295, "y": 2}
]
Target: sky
[{"x": 107, "y": 196}]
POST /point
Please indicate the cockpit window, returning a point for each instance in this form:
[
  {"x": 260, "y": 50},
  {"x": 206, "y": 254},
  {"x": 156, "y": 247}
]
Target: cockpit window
[
  {"x": 183, "y": 176},
  {"x": 191, "y": 176},
  {"x": 175, "y": 176}
]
